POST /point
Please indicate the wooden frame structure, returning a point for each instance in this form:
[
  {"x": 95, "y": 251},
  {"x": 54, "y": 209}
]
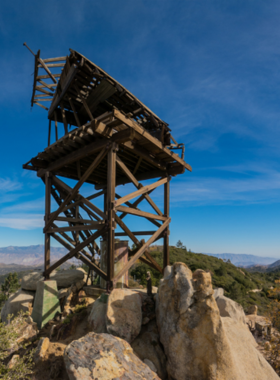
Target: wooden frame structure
[{"x": 109, "y": 138}]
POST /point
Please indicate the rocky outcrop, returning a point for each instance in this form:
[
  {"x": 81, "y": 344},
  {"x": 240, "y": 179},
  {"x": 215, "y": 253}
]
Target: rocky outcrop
[
  {"x": 20, "y": 300},
  {"x": 104, "y": 357},
  {"x": 218, "y": 292},
  {"x": 230, "y": 308},
  {"x": 252, "y": 310},
  {"x": 63, "y": 278},
  {"x": 198, "y": 343},
  {"x": 124, "y": 314},
  {"x": 41, "y": 349},
  {"x": 147, "y": 346},
  {"x": 97, "y": 316}
]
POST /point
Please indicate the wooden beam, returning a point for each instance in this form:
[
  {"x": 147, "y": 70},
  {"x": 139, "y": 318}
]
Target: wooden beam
[
  {"x": 48, "y": 186},
  {"x": 86, "y": 151},
  {"x": 136, "y": 212},
  {"x": 166, "y": 213},
  {"x": 74, "y": 251},
  {"x": 141, "y": 250},
  {"x": 47, "y": 70},
  {"x": 75, "y": 220},
  {"x": 137, "y": 165},
  {"x": 95, "y": 195},
  {"x": 135, "y": 204},
  {"x": 111, "y": 182},
  {"x": 144, "y": 133},
  {"x": 92, "y": 226},
  {"x": 145, "y": 261},
  {"x": 93, "y": 207},
  {"x": 137, "y": 185},
  {"x": 67, "y": 82},
  {"x": 127, "y": 230},
  {"x": 135, "y": 233},
  {"x": 75, "y": 190},
  {"x": 153, "y": 261},
  {"x": 49, "y": 135},
  {"x": 142, "y": 190},
  {"x": 92, "y": 266},
  {"x": 64, "y": 119},
  {"x": 74, "y": 112}
]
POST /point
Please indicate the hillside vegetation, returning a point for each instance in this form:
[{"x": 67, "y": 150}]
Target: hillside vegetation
[{"x": 237, "y": 282}]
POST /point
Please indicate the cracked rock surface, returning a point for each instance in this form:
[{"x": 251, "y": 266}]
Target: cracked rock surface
[{"x": 104, "y": 357}]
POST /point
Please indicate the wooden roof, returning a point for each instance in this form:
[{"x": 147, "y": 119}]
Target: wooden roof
[{"x": 101, "y": 111}]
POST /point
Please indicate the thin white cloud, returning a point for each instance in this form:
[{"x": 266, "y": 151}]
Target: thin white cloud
[
  {"x": 22, "y": 221},
  {"x": 9, "y": 185},
  {"x": 253, "y": 185}
]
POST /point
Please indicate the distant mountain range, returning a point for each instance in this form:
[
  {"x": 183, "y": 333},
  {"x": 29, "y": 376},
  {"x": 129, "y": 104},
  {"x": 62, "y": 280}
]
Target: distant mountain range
[
  {"x": 25, "y": 258},
  {"x": 32, "y": 255},
  {"x": 243, "y": 260}
]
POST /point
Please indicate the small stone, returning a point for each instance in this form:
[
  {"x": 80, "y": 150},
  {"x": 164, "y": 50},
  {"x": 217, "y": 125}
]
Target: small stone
[
  {"x": 13, "y": 361},
  {"x": 145, "y": 321},
  {"x": 41, "y": 349},
  {"x": 150, "y": 364},
  {"x": 29, "y": 319}
]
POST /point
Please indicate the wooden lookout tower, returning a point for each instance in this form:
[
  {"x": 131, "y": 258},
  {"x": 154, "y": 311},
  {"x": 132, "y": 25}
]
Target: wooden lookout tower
[{"x": 101, "y": 134}]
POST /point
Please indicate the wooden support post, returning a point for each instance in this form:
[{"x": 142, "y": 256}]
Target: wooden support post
[
  {"x": 49, "y": 136},
  {"x": 56, "y": 131},
  {"x": 47, "y": 213},
  {"x": 111, "y": 182},
  {"x": 166, "y": 233}
]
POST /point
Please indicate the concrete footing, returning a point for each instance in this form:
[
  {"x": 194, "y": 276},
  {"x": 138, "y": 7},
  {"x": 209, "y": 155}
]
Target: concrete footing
[{"x": 46, "y": 302}]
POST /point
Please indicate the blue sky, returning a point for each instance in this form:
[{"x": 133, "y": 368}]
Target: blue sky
[{"x": 209, "y": 69}]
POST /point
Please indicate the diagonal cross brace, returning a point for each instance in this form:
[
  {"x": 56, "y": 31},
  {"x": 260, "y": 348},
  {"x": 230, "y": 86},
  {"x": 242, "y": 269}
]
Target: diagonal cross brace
[
  {"x": 141, "y": 250},
  {"x": 75, "y": 190}
]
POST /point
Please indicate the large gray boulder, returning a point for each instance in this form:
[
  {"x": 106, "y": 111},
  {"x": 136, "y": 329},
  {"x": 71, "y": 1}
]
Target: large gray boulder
[
  {"x": 147, "y": 346},
  {"x": 30, "y": 280},
  {"x": 124, "y": 314},
  {"x": 104, "y": 357},
  {"x": 198, "y": 343},
  {"x": 63, "y": 278},
  {"x": 230, "y": 308},
  {"x": 20, "y": 300}
]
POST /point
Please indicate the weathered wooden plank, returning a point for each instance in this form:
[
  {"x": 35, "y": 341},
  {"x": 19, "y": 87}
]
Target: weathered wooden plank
[
  {"x": 54, "y": 59},
  {"x": 92, "y": 266},
  {"x": 136, "y": 212},
  {"x": 141, "y": 250},
  {"x": 52, "y": 65},
  {"x": 135, "y": 233},
  {"x": 84, "y": 227},
  {"x": 75, "y": 190},
  {"x": 48, "y": 186},
  {"x": 127, "y": 230},
  {"x": 69, "y": 78},
  {"x": 137, "y": 185},
  {"x": 150, "y": 138},
  {"x": 47, "y": 70},
  {"x": 40, "y": 105},
  {"x": 86, "y": 151},
  {"x": 74, "y": 251},
  {"x": 111, "y": 181},
  {"x": 141, "y": 191},
  {"x": 166, "y": 213}
]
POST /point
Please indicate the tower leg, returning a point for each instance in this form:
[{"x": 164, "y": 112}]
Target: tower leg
[
  {"x": 47, "y": 213},
  {"x": 111, "y": 184},
  {"x": 166, "y": 235}
]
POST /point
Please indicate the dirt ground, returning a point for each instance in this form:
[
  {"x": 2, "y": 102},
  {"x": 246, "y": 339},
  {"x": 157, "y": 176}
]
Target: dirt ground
[{"x": 52, "y": 366}]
